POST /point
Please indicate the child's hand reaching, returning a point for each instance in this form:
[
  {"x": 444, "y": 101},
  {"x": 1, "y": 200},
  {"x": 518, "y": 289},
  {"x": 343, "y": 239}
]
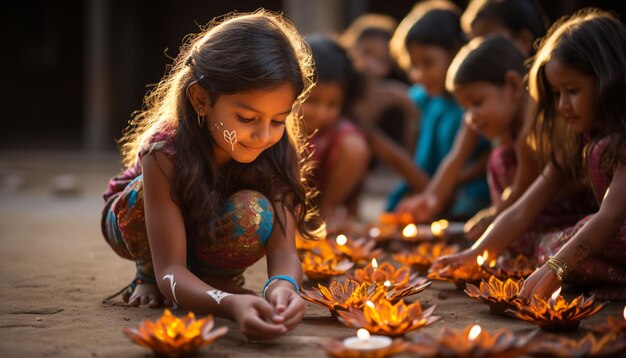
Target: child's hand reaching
[
  {"x": 288, "y": 305},
  {"x": 465, "y": 258},
  {"x": 477, "y": 225},
  {"x": 257, "y": 318},
  {"x": 421, "y": 206},
  {"x": 542, "y": 283}
]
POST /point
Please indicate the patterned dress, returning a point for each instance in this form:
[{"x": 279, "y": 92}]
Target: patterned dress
[
  {"x": 609, "y": 264},
  {"x": 124, "y": 227}
]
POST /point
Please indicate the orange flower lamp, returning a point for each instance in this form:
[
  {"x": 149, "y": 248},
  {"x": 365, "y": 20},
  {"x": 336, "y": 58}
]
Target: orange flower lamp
[
  {"x": 473, "y": 341},
  {"x": 172, "y": 336},
  {"x": 357, "y": 250},
  {"x": 556, "y": 314},
  {"x": 397, "y": 283},
  {"x": 425, "y": 254},
  {"x": 516, "y": 268},
  {"x": 497, "y": 294},
  {"x": 337, "y": 297},
  {"x": 388, "y": 319},
  {"x": 608, "y": 345},
  {"x": 323, "y": 267}
]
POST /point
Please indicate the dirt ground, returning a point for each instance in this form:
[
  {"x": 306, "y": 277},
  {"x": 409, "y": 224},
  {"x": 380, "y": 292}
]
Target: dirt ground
[{"x": 56, "y": 269}]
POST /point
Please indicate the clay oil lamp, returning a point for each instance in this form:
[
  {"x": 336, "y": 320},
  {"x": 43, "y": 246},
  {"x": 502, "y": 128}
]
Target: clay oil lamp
[
  {"x": 505, "y": 267},
  {"x": 424, "y": 255},
  {"x": 321, "y": 268},
  {"x": 473, "y": 341},
  {"x": 322, "y": 247},
  {"x": 357, "y": 250},
  {"x": 556, "y": 314},
  {"x": 397, "y": 283},
  {"x": 608, "y": 345},
  {"x": 613, "y": 325},
  {"x": 337, "y": 296},
  {"x": 364, "y": 345},
  {"x": 172, "y": 336},
  {"x": 499, "y": 295},
  {"x": 388, "y": 319}
]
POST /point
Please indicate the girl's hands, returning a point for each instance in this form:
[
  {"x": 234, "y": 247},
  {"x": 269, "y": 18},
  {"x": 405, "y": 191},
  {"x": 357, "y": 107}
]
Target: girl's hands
[
  {"x": 542, "y": 283},
  {"x": 465, "y": 258},
  {"x": 422, "y": 207},
  {"x": 287, "y": 304},
  {"x": 256, "y": 317},
  {"x": 477, "y": 225}
]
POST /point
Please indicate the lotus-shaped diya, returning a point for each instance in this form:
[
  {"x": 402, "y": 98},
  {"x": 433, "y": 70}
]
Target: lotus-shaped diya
[
  {"x": 497, "y": 294},
  {"x": 358, "y": 249},
  {"x": 397, "y": 283},
  {"x": 323, "y": 267},
  {"x": 386, "y": 318},
  {"x": 506, "y": 267},
  {"x": 608, "y": 345},
  {"x": 173, "y": 336},
  {"x": 556, "y": 314},
  {"x": 339, "y": 296},
  {"x": 473, "y": 341},
  {"x": 425, "y": 254}
]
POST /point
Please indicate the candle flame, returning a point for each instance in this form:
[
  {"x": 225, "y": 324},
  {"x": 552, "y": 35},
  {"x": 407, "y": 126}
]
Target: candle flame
[
  {"x": 492, "y": 263},
  {"x": 480, "y": 259},
  {"x": 388, "y": 283},
  {"x": 555, "y": 294},
  {"x": 374, "y": 264},
  {"x": 374, "y": 232},
  {"x": 624, "y": 313},
  {"x": 409, "y": 231},
  {"x": 370, "y": 303},
  {"x": 474, "y": 332},
  {"x": 443, "y": 223},
  {"x": 363, "y": 334},
  {"x": 341, "y": 239},
  {"x": 436, "y": 228}
]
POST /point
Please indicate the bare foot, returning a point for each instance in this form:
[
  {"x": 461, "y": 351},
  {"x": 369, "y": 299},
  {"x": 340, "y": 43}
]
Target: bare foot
[
  {"x": 612, "y": 294},
  {"x": 145, "y": 294}
]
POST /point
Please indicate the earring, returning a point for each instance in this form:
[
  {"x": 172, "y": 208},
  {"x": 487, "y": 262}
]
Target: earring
[{"x": 200, "y": 120}]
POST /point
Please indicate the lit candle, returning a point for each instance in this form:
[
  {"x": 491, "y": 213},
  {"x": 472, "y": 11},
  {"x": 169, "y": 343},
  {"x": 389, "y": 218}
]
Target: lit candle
[
  {"x": 410, "y": 231},
  {"x": 480, "y": 259},
  {"x": 341, "y": 240},
  {"x": 554, "y": 296},
  {"x": 374, "y": 264},
  {"x": 388, "y": 283},
  {"x": 364, "y": 341},
  {"x": 374, "y": 232},
  {"x": 474, "y": 333}
]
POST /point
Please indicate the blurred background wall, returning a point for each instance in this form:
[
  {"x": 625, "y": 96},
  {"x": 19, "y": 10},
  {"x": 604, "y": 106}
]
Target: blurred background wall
[{"x": 75, "y": 70}]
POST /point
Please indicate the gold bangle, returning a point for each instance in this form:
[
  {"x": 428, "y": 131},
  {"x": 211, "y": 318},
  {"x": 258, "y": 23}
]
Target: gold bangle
[
  {"x": 557, "y": 270},
  {"x": 558, "y": 266},
  {"x": 560, "y": 262}
]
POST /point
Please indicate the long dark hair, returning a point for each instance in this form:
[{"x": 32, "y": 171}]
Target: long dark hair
[
  {"x": 333, "y": 65},
  {"x": 592, "y": 42},
  {"x": 235, "y": 53}
]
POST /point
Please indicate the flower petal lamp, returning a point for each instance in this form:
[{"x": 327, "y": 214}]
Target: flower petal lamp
[{"x": 172, "y": 336}]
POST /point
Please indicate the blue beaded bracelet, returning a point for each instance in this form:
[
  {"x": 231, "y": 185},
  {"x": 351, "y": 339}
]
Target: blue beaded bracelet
[{"x": 280, "y": 277}]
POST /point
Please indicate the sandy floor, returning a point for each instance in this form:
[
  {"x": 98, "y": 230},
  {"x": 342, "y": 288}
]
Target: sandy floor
[{"x": 56, "y": 269}]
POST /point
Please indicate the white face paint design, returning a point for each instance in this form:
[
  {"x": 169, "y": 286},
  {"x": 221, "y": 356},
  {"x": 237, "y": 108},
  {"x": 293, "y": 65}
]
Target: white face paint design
[
  {"x": 218, "y": 295},
  {"x": 172, "y": 286},
  {"x": 230, "y": 138}
]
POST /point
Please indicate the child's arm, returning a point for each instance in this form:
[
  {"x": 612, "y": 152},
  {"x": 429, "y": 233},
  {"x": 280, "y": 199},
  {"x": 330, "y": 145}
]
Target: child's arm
[
  {"x": 282, "y": 260},
  {"x": 525, "y": 173},
  {"x": 594, "y": 236},
  {"x": 426, "y": 205},
  {"x": 168, "y": 245},
  {"x": 512, "y": 222},
  {"x": 398, "y": 158},
  {"x": 348, "y": 169},
  {"x": 410, "y": 112}
]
